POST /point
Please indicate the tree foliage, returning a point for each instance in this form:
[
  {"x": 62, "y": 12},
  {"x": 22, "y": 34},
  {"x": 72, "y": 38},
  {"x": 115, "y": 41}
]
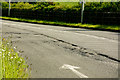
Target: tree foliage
[
  {"x": 95, "y": 12},
  {"x": 89, "y": 6}
]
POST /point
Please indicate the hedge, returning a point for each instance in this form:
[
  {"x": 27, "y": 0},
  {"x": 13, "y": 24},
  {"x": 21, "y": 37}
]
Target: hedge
[{"x": 52, "y": 12}]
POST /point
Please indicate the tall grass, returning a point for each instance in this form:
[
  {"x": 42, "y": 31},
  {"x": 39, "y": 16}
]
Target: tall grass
[{"x": 13, "y": 65}]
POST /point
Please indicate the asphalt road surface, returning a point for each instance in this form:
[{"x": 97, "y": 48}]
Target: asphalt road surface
[{"x": 64, "y": 52}]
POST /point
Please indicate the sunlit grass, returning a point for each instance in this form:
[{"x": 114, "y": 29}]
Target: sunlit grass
[
  {"x": 108, "y": 27},
  {"x": 13, "y": 65}
]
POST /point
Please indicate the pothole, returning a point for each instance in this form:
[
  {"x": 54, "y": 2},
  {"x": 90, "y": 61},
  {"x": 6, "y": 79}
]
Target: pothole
[{"x": 80, "y": 50}]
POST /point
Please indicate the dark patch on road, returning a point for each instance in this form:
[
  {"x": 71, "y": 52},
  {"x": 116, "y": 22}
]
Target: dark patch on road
[
  {"x": 33, "y": 42},
  {"x": 18, "y": 37},
  {"x": 81, "y": 50},
  {"x": 14, "y": 33},
  {"x": 75, "y": 48}
]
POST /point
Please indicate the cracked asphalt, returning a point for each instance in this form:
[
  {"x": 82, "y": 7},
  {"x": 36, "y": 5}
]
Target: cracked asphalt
[{"x": 49, "y": 47}]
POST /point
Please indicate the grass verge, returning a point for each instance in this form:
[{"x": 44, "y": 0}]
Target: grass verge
[
  {"x": 13, "y": 65},
  {"x": 90, "y": 26}
]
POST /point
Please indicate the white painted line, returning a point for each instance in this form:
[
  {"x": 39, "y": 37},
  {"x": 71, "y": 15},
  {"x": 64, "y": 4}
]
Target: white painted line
[
  {"x": 97, "y": 37},
  {"x": 68, "y": 32},
  {"x": 72, "y": 68}
]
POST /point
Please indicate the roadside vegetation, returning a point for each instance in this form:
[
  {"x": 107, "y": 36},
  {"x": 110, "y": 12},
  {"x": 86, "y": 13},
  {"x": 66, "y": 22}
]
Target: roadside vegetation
[
  {"x": 99, "y": 15},
  {"x": 12, "y": 64},
  {"x": 104, "y": 27},
  {"x": 89, "y": 6}
]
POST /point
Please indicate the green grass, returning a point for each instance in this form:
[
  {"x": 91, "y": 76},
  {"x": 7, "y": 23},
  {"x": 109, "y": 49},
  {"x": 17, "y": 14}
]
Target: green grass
[
  {"x": 13, "y": 65},
  {"x": 106, "y": 27}
]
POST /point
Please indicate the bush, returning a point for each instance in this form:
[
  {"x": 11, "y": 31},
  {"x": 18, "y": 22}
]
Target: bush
[
  {"x": 22, "y": 5},
  {"x": 5, "y": 5},
  {"x": 95, "y": 12}
]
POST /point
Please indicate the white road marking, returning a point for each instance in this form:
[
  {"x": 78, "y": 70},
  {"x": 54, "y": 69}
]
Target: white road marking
[
  {"x": 67, "y": 32},
  {"x": 72, "y": 68}
]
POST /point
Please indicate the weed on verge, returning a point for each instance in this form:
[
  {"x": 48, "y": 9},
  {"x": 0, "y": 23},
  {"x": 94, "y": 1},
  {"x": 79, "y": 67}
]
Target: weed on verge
[{"x": 13, "y": 65}]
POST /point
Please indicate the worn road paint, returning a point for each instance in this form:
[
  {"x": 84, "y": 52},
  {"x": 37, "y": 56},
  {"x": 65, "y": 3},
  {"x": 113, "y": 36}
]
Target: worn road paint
[{"x": 72, "y": 68}]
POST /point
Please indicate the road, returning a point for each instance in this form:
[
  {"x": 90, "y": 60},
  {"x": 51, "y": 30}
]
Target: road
[{"x": 64, "y": 52}]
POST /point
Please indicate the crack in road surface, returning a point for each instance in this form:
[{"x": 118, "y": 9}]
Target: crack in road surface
[
  {"x": 80, "y": 50},
  {"x": 50, "y": 52},
  {"x": 72, "y": 47}
]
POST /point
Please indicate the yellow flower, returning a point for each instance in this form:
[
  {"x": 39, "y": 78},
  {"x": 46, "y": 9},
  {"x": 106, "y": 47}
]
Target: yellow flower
[
  {"x": 3, "y": 39},
  {"x": 12, "y": 50}
]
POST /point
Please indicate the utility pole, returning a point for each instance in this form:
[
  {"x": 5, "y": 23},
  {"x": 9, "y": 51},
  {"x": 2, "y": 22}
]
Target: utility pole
[
  {"x": 82, "y": 11},
  {"x": 9, "y": 9}
]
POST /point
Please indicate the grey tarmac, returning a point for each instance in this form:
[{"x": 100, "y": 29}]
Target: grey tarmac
[{"x": 91, "y": 53}]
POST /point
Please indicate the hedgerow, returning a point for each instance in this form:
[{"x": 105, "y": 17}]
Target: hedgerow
[
  {"x": 89, "y": 6},
  {"x": 94, "y": 12}
]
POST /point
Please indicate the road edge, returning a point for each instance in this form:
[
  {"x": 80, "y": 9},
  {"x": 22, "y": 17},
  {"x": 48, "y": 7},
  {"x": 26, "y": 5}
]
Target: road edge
[{"x": 118, "y": 31}]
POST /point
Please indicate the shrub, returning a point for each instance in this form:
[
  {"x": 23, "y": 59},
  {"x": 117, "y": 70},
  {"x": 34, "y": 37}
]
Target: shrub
[{"x": 5, "y": 5}]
